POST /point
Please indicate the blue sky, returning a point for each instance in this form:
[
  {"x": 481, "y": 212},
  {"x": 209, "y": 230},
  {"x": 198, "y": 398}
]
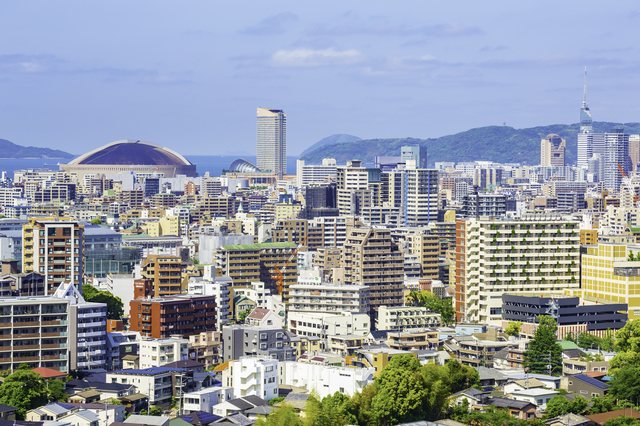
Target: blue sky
[{"x": 75, "y": 75}]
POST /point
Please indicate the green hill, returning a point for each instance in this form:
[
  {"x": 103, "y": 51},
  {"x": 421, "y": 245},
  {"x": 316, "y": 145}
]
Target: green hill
[
  {"x": 11, "y": 150},
  {"x": 330, "y": 140},
  {"x": 501, "y": 144}
]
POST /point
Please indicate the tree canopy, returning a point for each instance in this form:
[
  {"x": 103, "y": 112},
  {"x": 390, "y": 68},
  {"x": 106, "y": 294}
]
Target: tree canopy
[
  {"x": 284, "y": 415},
  {"x": 559, "y": 405},
  {"x": 544, "y": 355},
  {"x": 428, "y": 300},
  {"x": 25, "y": 389},
  {"x": 513, "y": 329},
  {"x": 114, "y": 304}
]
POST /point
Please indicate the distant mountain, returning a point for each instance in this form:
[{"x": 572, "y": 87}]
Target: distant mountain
[
  {"x": 501, "y": 144},
  {"x": 11, "y": 150},
  {"x": 330, "y": 140}
]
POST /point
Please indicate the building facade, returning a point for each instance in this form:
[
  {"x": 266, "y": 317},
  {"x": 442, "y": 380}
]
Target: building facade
[
  {"x": 534, "y": 256},
  {"x": 272, "y": 141}
]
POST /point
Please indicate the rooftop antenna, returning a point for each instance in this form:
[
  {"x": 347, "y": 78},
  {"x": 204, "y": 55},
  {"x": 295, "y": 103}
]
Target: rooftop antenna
[{"x": 584, "y": 100}]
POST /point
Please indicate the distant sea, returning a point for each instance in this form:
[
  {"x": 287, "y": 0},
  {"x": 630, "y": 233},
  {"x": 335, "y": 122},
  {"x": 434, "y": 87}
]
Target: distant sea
[{"x": 214, "y": 164}]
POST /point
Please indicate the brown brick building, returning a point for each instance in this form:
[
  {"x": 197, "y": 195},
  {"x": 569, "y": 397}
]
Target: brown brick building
[{"x": 163, "y": 317}]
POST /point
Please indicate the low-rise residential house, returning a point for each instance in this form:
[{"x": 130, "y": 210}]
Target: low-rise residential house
[
  {"x": 579, "y": 366},
  {"x": 158, "y": 352},
  {"x": 85, "y": 397},
  {"x": 252, "y": 376},
  {"x": 406, "y": 317},
  {"x": 491, "y": 377},
  {"x": 194, "y": 366},
  {"x": 261, "y": 317},
  {"x": 551, "y": 382},
  {"x": 77, "y": 414},
  {"x": 538, "y": 396},
  {"x": 345, "y": 345},
  {"x": 320, "y": 324},
  {"x": 7, "y": 412},
  {"x": 419, "y": 339},
  {"x": 587, "y": 387},
  {"x": 137, "y": 419},
  {"x": 121, "y": 344},
  {"x": 160, "y": 383},
  {"x": 509, "y": 357},
  {"x": 268, "y": 342},
  {"x": 322, "y": 358},
  {"x": 205, "y": 399},
  {"x": 474, "y": 351},
  {"x": 205, "y": 348},
  {"x": 238, "y": 405},
  {"x": 516, "y": 385},
  {"x": 106, "y": 390},
  {"x": 569, "y": 420},
  {"x": 325, "y": 380},
  {"x": 523, "y": 410},
  {"x": 376, "y": 358},
  {"x": 305, "y": 344}
]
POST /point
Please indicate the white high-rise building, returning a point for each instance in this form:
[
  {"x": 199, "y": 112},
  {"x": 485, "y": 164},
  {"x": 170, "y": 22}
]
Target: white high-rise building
[
  {"x": 272, "y": 141},
  {"x": 616, "y": 154}
]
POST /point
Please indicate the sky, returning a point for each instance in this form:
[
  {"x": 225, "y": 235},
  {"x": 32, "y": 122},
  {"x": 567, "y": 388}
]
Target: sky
[{"x": 75, "y": 75}]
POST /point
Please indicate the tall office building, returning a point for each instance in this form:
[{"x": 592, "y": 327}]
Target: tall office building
[
  {"x": 417, "y": 153},
  {"x": 616, "y": 153},
  {"x": 272, "y": 141},
  {"x": 552, "y": 149}
]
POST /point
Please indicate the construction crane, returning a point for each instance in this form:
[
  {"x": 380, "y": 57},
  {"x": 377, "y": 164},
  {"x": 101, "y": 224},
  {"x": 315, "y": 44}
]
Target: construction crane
[
  {"x": 279, "y": 276},
  {"x": 626, "y": 181}
]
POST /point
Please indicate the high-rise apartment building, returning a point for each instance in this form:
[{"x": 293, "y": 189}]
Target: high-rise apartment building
[
  {"x": 420, "y": 195},
  {"x": 165, "y": 272},
  {"x": 35, "y": 331},
  {"x": 616, "y": 154},
  {"x": 417, "y": 153},
  {"x": 353, "y": 193},
  {"x": 536, "y": 256},
  {"x": 54, "y": 247},
  {"x": 369, "y": 257},
  {"x": 272, "y": 141},
  {"x": 552, "y": 149}
]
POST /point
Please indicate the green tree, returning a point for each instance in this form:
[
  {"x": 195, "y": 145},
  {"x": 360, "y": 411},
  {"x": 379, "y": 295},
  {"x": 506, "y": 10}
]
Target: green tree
[
  {"x": 559, "y": 405},
  {"x": 96, "y": 222},
  {"x": 274, "y": 401},
  {"x": 114, "y": 303},
  {"x": 284, "y": 415},
  {"x": 401, "y": 391},
  {"x": 544, "y": 355},
  {"x": 428, "y": 300},
  {"x": 155, "y": 411},
  {"x": 602, "y": 404},
  {"x": 622, "y": 421},
  {"x": 626, "y": 384},
  {"x": 513, "y": 329},
  {"x": 570, "y": 338},
  {"x": 458, "y": 412},
  {"x": 24, "y": 389},
  {"x": 342, "y": 407},
  {"x": 362, "y": 404},
  {"x": 627, "y": 344},
  {"x": 588, "y": 340},
  {"x": 114, "y": 401},
  {"x": 461, "y": 377},
  {"x": 492, "y": 417},
  {"x": 55, "y": 389}
]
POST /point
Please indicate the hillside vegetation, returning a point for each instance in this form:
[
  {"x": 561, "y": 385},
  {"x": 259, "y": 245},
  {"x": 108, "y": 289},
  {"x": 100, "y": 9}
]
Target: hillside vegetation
[
  {"x": 501, "y": 144},
  {"x": 11, "y": 150}
]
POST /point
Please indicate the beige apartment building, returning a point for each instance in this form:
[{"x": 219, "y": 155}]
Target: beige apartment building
[
  {"x": 371, "y": 258},
  {"x": 353, "y": 193},
  {"x": 165, "y": 272},
  {"x": 531, "y": 257}
]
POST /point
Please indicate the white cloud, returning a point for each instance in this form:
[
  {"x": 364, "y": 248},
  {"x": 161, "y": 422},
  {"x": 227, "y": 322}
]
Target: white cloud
[{"x": 315, "y": 58}]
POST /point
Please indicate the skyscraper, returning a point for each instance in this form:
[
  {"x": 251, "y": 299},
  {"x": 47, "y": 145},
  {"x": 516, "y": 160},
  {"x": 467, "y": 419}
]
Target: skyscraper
[
  {"x": 272, "y": 141},
  {"x": 616, "y": 153},
  {"x": 586, "y": 122}
]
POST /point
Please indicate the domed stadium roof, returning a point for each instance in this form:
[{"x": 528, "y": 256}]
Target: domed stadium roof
[
  {"x": 244, "y": 166},
  {"x": 132, "y": 152}
]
